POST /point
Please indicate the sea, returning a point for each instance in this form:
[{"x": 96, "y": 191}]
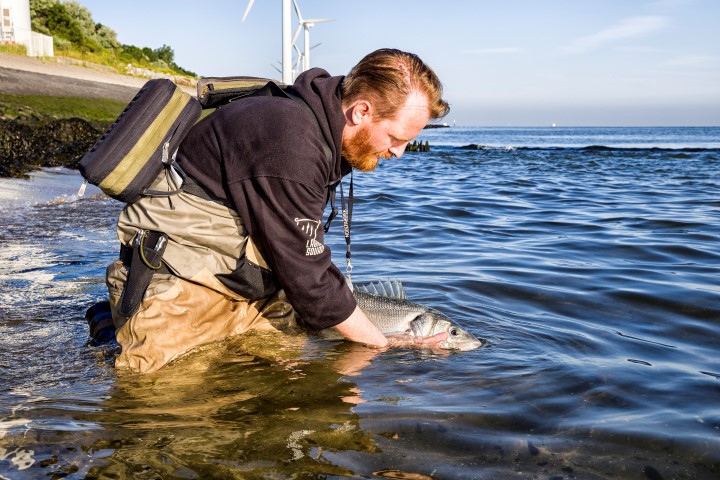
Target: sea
[{"x": 587, "y": 259}]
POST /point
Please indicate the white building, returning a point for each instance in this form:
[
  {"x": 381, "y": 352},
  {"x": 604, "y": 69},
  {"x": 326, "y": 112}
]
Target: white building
[{"x": 15, "y": 29}]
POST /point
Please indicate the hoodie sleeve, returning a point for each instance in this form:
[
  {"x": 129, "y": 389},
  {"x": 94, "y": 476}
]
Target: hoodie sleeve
[{"x": 281, "y": 199}]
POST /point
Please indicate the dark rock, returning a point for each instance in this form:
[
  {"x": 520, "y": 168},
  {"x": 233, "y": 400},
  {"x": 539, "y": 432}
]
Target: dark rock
[
  {"x": 15, "y": 143},
  {"x": 651, "y": 473},
  {"x": 26, "y": 147},
  {"x": 416, "y": 146}
]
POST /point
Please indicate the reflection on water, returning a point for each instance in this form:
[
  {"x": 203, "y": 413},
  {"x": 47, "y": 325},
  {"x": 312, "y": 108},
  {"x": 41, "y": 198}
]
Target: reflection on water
[
  {"x": 225, "y": 410},
  {"x": 273, "y": 403},
  {"x": 592, "y": 275}
]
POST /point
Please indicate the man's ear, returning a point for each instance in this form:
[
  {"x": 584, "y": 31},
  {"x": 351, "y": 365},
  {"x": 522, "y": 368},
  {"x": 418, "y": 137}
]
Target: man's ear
[{"x": 360, "y": 111}]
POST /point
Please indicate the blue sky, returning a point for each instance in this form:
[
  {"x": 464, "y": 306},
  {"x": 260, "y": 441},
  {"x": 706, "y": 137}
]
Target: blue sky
[{"x": 502, "y": 62}]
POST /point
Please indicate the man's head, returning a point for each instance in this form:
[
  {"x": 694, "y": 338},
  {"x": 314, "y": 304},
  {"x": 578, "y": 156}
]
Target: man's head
[{"x": 387, "y": 98}]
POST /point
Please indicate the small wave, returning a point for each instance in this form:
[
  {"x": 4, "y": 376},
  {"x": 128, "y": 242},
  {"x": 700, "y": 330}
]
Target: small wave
[
  {"x": 590, "y": 148},
  {"x": 474, "y": 146},
  {"x": 649, "y": 149},
  {"x": 62, "y": 199}
]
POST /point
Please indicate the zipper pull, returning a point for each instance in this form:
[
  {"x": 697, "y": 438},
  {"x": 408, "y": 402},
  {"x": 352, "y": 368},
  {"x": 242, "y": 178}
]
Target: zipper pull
[{"x": 81, "y": 192}]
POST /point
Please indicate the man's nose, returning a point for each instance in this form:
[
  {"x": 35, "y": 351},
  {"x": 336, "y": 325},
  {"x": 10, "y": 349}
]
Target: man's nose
[{"x": 399, "y": 150}]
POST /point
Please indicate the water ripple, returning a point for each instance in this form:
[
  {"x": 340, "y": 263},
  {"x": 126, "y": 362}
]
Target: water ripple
[{"x": 592, "y": 273}]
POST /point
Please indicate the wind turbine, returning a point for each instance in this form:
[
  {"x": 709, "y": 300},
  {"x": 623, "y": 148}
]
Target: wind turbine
[
  {"x": 288, "y": 43},
  {"x": 305, "y": 26}
]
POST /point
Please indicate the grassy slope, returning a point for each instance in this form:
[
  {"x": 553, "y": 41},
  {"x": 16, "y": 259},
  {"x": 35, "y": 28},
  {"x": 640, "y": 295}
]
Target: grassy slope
[{"x": 98, "y": 112}]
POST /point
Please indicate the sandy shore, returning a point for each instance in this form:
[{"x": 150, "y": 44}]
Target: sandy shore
[{"x": 26, "y": 75}]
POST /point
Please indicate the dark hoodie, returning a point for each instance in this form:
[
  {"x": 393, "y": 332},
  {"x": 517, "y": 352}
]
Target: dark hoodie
[{"x": 263, "y": 156}]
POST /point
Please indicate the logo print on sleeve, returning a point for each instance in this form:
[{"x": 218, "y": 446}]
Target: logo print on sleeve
[{"x": 310, "y": 228}]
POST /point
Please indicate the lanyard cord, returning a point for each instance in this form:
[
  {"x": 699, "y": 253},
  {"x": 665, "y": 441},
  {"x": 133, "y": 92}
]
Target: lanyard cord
[{"x": 347, "y": 220}]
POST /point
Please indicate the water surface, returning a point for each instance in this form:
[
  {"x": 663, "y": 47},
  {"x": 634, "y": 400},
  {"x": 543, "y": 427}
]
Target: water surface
[{"x": 588, "y": 260}]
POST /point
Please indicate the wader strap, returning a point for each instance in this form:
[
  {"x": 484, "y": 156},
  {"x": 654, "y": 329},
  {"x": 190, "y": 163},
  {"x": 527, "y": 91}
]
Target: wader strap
[{"x": 194, "y": 188}]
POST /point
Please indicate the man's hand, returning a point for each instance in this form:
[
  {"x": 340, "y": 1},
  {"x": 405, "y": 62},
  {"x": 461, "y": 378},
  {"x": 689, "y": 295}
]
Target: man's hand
[
  {"x": 359, "y": 328},
  {"x": 408, "y": 341}
]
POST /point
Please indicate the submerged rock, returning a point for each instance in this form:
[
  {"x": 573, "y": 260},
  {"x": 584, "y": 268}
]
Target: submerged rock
[{"x": 26, "y": 147}]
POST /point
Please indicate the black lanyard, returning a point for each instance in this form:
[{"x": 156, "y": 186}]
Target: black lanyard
[{"x": 347, "y": 220}]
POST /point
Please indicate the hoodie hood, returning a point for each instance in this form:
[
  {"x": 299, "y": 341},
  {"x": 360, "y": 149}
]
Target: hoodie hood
[{"x": 322, "y": 94}]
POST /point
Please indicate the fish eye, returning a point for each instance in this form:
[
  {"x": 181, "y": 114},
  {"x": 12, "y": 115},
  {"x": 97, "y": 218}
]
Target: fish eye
[{"x": 454, "y": 332}]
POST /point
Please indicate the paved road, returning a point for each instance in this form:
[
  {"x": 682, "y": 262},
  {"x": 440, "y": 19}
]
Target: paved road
[
  {"x": 21, "y": 82},
  {"x": 26, "y": 75}
]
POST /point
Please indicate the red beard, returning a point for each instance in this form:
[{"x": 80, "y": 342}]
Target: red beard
[{"x": 360, "y": 153}]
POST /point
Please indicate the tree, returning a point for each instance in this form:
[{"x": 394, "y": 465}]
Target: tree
[
  {"x": 38, "y": 15},
  {"x": 131, "y": 53},
  {"x": 106, "y": 36},
  {"x": 60, "y": 23},
  {"x": 67, "y": 25},
  {"x": 166, "y": 54},
  {"x": 150, "y": 54},
  {"x": 83, "y": 17},
  {"x": 73, "y": 28}
]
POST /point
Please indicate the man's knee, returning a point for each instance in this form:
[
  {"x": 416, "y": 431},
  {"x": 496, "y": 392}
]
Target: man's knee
[{"x": 177, "y": 315}]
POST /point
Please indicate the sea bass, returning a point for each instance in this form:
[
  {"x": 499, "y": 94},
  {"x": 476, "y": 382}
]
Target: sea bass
[{"x": 387, "y": 306}]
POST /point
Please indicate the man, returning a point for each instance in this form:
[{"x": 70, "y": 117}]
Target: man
[{"x": 243, "y": 244}]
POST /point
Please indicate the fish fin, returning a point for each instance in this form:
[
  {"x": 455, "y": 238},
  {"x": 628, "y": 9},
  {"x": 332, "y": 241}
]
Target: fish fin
[{"x": 391, "y": 288}]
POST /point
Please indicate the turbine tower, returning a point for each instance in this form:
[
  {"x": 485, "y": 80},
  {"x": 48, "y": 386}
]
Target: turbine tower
[
  {"x": 305, "y": 25},
  {"x": 288, "y": 43}
]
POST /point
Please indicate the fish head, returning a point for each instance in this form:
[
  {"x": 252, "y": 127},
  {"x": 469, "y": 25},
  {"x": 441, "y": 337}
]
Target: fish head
[{"x": 431, "y": 323}]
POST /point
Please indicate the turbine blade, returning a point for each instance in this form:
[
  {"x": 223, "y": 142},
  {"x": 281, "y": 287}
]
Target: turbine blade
[
  {"x": 247, "y": 9},
  {"x": 318, "y": 20},
  {"x": 297, "y": 10},
  {"x": 296, "y": 35}
]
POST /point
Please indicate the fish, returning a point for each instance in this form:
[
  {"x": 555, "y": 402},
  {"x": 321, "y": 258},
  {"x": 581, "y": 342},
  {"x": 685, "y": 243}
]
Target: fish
[{"x": 386, "y": 304}]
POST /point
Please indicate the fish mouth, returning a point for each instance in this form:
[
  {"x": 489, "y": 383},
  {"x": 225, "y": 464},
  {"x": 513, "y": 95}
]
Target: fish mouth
[{"x": 463, "y": 346}]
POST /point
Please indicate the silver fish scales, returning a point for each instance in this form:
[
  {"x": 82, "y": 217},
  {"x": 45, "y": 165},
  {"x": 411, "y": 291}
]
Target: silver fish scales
[{"x": 387, "y": 306}]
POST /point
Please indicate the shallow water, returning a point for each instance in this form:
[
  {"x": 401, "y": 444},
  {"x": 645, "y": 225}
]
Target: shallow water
[{"x": 592, "y": 273}]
